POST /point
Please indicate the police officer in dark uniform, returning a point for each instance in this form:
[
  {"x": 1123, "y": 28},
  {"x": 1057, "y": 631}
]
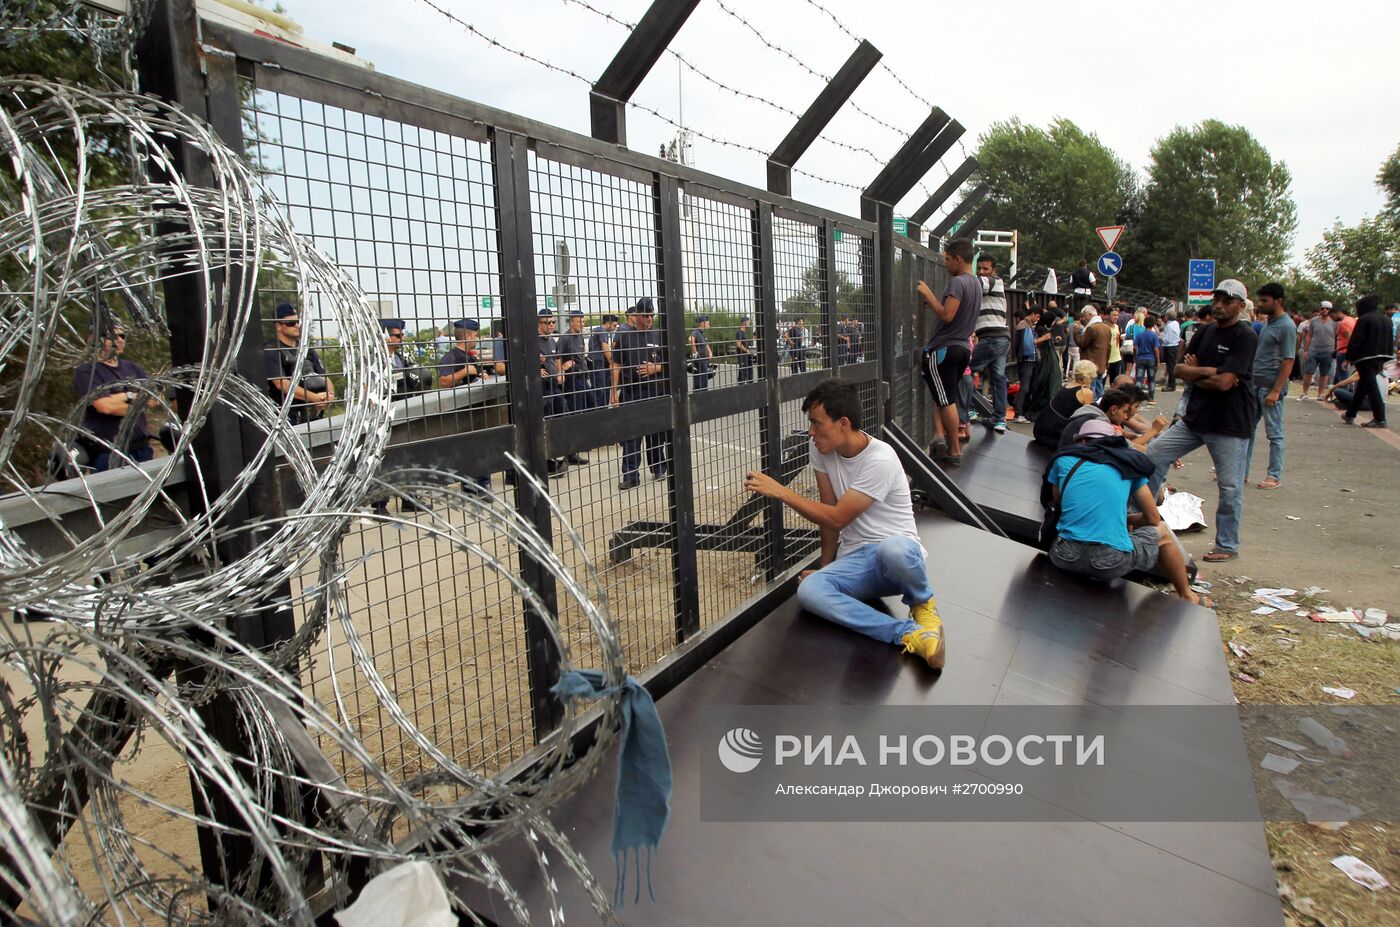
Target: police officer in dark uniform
[
  {"x": 744, "y": 347},
  {"x": 640, "y": 374},
  {"x": 700, "y": 355},
  {"x": 600, "y": 360},
  {"x": 843, "y": 341},
  {"x": 552, "y": 384},
  {"x": 461, "y": 364},
  {"x": 572, "y": 351},
  {"x": 408, "y": 378}
]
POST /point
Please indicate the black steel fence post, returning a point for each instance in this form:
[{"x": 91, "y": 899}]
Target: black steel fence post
[
  {"x": 682, "y": 476},
  {"x": 882, "y": 244},
  {"x": 510, "y": 157},
  {"x": 771, "y": 415},
  {"x": 826, "y": 258}
]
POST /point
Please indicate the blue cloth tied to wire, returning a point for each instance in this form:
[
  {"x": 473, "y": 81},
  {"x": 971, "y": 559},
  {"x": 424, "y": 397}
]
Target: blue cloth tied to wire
[{"x": 643, "y": 799}]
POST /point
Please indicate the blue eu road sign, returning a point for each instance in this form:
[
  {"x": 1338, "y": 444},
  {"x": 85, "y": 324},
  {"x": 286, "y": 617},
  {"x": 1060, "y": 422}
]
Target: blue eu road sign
[
  {"x": 1200, "y": 274},
  {"x": 1110, "y": 263}
]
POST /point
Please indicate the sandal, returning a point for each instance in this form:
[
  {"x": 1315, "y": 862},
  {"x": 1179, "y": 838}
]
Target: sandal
[
  {"x": 1268, "y": 484},
  {"x": 1216, "y": 555}
]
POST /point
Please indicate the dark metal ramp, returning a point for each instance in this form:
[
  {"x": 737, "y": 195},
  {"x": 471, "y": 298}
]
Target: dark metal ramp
[
  {"x": 1001, "y": 474},
  {"x": 1019, "y": 632}
]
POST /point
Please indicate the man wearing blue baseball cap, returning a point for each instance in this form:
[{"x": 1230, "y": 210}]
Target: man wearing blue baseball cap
[
  {"x": 552, "y": 380},
  {"x": 640, "y": 374},
  {"x": 408, "y": 379},
  {"x": 572, "y": 350},
  {"x": 700, "y": 354},
  {"x": 461, "y": 365},
  {"x": 311, "y": 389},
  {"x": 744, "y": 348}
]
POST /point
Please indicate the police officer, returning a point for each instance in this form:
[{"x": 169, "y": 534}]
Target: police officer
[
  {"x": 600, "y": 360},
  {"x": 700, "y": 354},
  {"x": 572, "y": 350},
  {"x": 461, "y": 364},
  {"x": 744, "y": 347},
  {"x": 843, "y": 341},
  {"x": 552, "y": 384},
  {"x": 408, "y": 379},
  {"x": 640, "y": 373}
]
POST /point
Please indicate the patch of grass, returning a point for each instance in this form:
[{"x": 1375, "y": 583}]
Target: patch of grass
[{"x": 1290, "y": 659}]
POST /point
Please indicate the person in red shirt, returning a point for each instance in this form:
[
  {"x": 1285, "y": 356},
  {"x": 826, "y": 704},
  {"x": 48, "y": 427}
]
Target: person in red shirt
[{"x": 1345, "y": 323}]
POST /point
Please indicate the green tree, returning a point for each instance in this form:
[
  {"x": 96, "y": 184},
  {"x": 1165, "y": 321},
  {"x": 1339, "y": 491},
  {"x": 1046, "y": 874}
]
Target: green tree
[
  {"x": 1054, "y": 186},
  {"x": 806, "y": 300},
  {"x": 1213, "y": 191},
  {"x": 1303, "y": 292},
  {"x": 1354, "y": 260},
  {"x": 1388, "y": 179}
]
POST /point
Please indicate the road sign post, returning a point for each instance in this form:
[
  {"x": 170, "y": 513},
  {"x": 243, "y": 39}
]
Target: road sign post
[{"x": 1200, "y": 281}]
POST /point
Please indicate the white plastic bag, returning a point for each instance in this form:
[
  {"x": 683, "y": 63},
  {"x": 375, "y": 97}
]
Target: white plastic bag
[{"x": 409, "y": 895}]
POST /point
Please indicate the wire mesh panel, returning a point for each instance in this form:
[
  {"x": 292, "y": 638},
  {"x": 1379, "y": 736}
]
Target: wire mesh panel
[
  {"x": 628, "y": 535},
  {"x": 730, "y": 534},
  {"x": 720, "y": 267},
  {"x": 856, "y": 311},
  {"x": 409, "y": 214},
  {"x": 799, "y": 278},
  {"x": 801, "y": 535},
  {"x": 595, "y": 255},
  {"x": 441, "y": 628}
]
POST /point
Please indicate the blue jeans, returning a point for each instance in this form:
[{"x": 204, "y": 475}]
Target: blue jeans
[
  {"x": 1145, "y": 375},
  {"x": 1273, "y": 430},
  {"x": 1230, "y": 456},
  {"x": 991, "y": 352},
  {"x": 840, "y": 590}
]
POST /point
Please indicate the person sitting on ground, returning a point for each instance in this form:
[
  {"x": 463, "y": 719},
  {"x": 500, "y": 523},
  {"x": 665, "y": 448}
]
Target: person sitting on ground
[
  {"x": 1138, "y": 430},
  {"x": 1078, "y": 392},
  {"x": 869, "y": 544},
  {"x": 1093, "y": 481},
  {"x": 1115, "y": 406}
]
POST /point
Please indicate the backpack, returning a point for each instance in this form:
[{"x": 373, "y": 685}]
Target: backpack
[{"x": 1050, "y": 524}]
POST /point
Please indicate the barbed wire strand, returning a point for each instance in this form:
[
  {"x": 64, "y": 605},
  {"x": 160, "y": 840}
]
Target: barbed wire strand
[
  {"x": 559, "y": 69},
  {"x": 743, "y": 94}
]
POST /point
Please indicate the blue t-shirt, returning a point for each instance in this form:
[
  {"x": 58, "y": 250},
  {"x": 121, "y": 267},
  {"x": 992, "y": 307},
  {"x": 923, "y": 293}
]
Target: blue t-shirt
[
  {"x": 1094, "y": 506},
  {"x": 1145, "y": 345},
  {"x": 1277, "y": 342}
]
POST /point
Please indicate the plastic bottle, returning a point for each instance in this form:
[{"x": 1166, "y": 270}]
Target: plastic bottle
[{"x": 1323, "y": 737}]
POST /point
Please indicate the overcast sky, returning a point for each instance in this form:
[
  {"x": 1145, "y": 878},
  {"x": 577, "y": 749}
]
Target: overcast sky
[{"x": 1316, "y": 85}]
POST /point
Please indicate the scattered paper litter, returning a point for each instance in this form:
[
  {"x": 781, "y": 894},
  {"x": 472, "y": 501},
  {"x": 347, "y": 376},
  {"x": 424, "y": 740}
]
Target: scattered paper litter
[
  {"x": 1334, "y": 617},
  {"x": 1276, "y": 602},
  {"x": 1279, "y": 764},
  {"x": 1238, "y": 650},
  {"x": 1276, "y": 592},
  {"x": 1286, "y": 744},
  {"x": 1320, "y": 735},
  {"x": 1183, "y": 511},
  {"x": 1264, "y": 610},
  {"x": 1339, "y": 692},
  {"x": 1293, "y": 518},
  {"x": 1315, "y": 808},
  {"x": 1362, "y": 630},
  {"x": 1244, "y": 677},
  {"x": 1360, "y": 873},
  {"x": 1314, "y": 590},
  {"x": 1374, "y": 617}
]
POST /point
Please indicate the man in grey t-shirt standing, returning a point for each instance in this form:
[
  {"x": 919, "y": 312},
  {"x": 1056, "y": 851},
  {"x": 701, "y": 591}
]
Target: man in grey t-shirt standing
[
  {"x": 1322, "y": 350},
  {"x": 1273, "y": 364},
  {"x": 949, "y": 350},
  {"x": 870, "y": 545}
]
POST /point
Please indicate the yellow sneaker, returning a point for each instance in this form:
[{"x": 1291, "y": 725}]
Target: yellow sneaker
[
  {"x": 926, "y": 643},
  {"x": 925, "y": 615}
]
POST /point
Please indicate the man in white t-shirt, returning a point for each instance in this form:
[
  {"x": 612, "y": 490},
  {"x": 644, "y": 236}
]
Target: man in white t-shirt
[{"x": 870, "y": 546}]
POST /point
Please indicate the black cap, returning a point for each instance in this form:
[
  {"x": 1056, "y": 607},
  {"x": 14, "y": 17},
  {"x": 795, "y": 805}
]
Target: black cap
[
  {"x": 745, "y": 319},
  {"x": 609, "y": 317},
  {"x": 285, "y": 309},
  {"x": 644, "y": 306},
  {"x": 467, "y": 325},
  {"x": 546, "y": 313},
  {"x": 701, "y": 318},
  {"x": 387, "y": 324}
]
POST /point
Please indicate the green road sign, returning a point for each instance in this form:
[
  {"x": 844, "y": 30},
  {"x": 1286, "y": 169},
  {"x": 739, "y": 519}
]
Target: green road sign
[
  {"x": 901, "y": 226},
  {"x": 836, "y": 234},
  {"x": 549, "y": 302},
  {"x": 486, "y": 302}
]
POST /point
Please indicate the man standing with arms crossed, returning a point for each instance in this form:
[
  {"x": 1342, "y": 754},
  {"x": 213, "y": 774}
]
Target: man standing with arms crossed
[
  {"x": 947, "y": 353},
  {"x": 870, "y": 545},
  {"x": 1221, "y": 414},
  {"x": 1273, "y": 365}
]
